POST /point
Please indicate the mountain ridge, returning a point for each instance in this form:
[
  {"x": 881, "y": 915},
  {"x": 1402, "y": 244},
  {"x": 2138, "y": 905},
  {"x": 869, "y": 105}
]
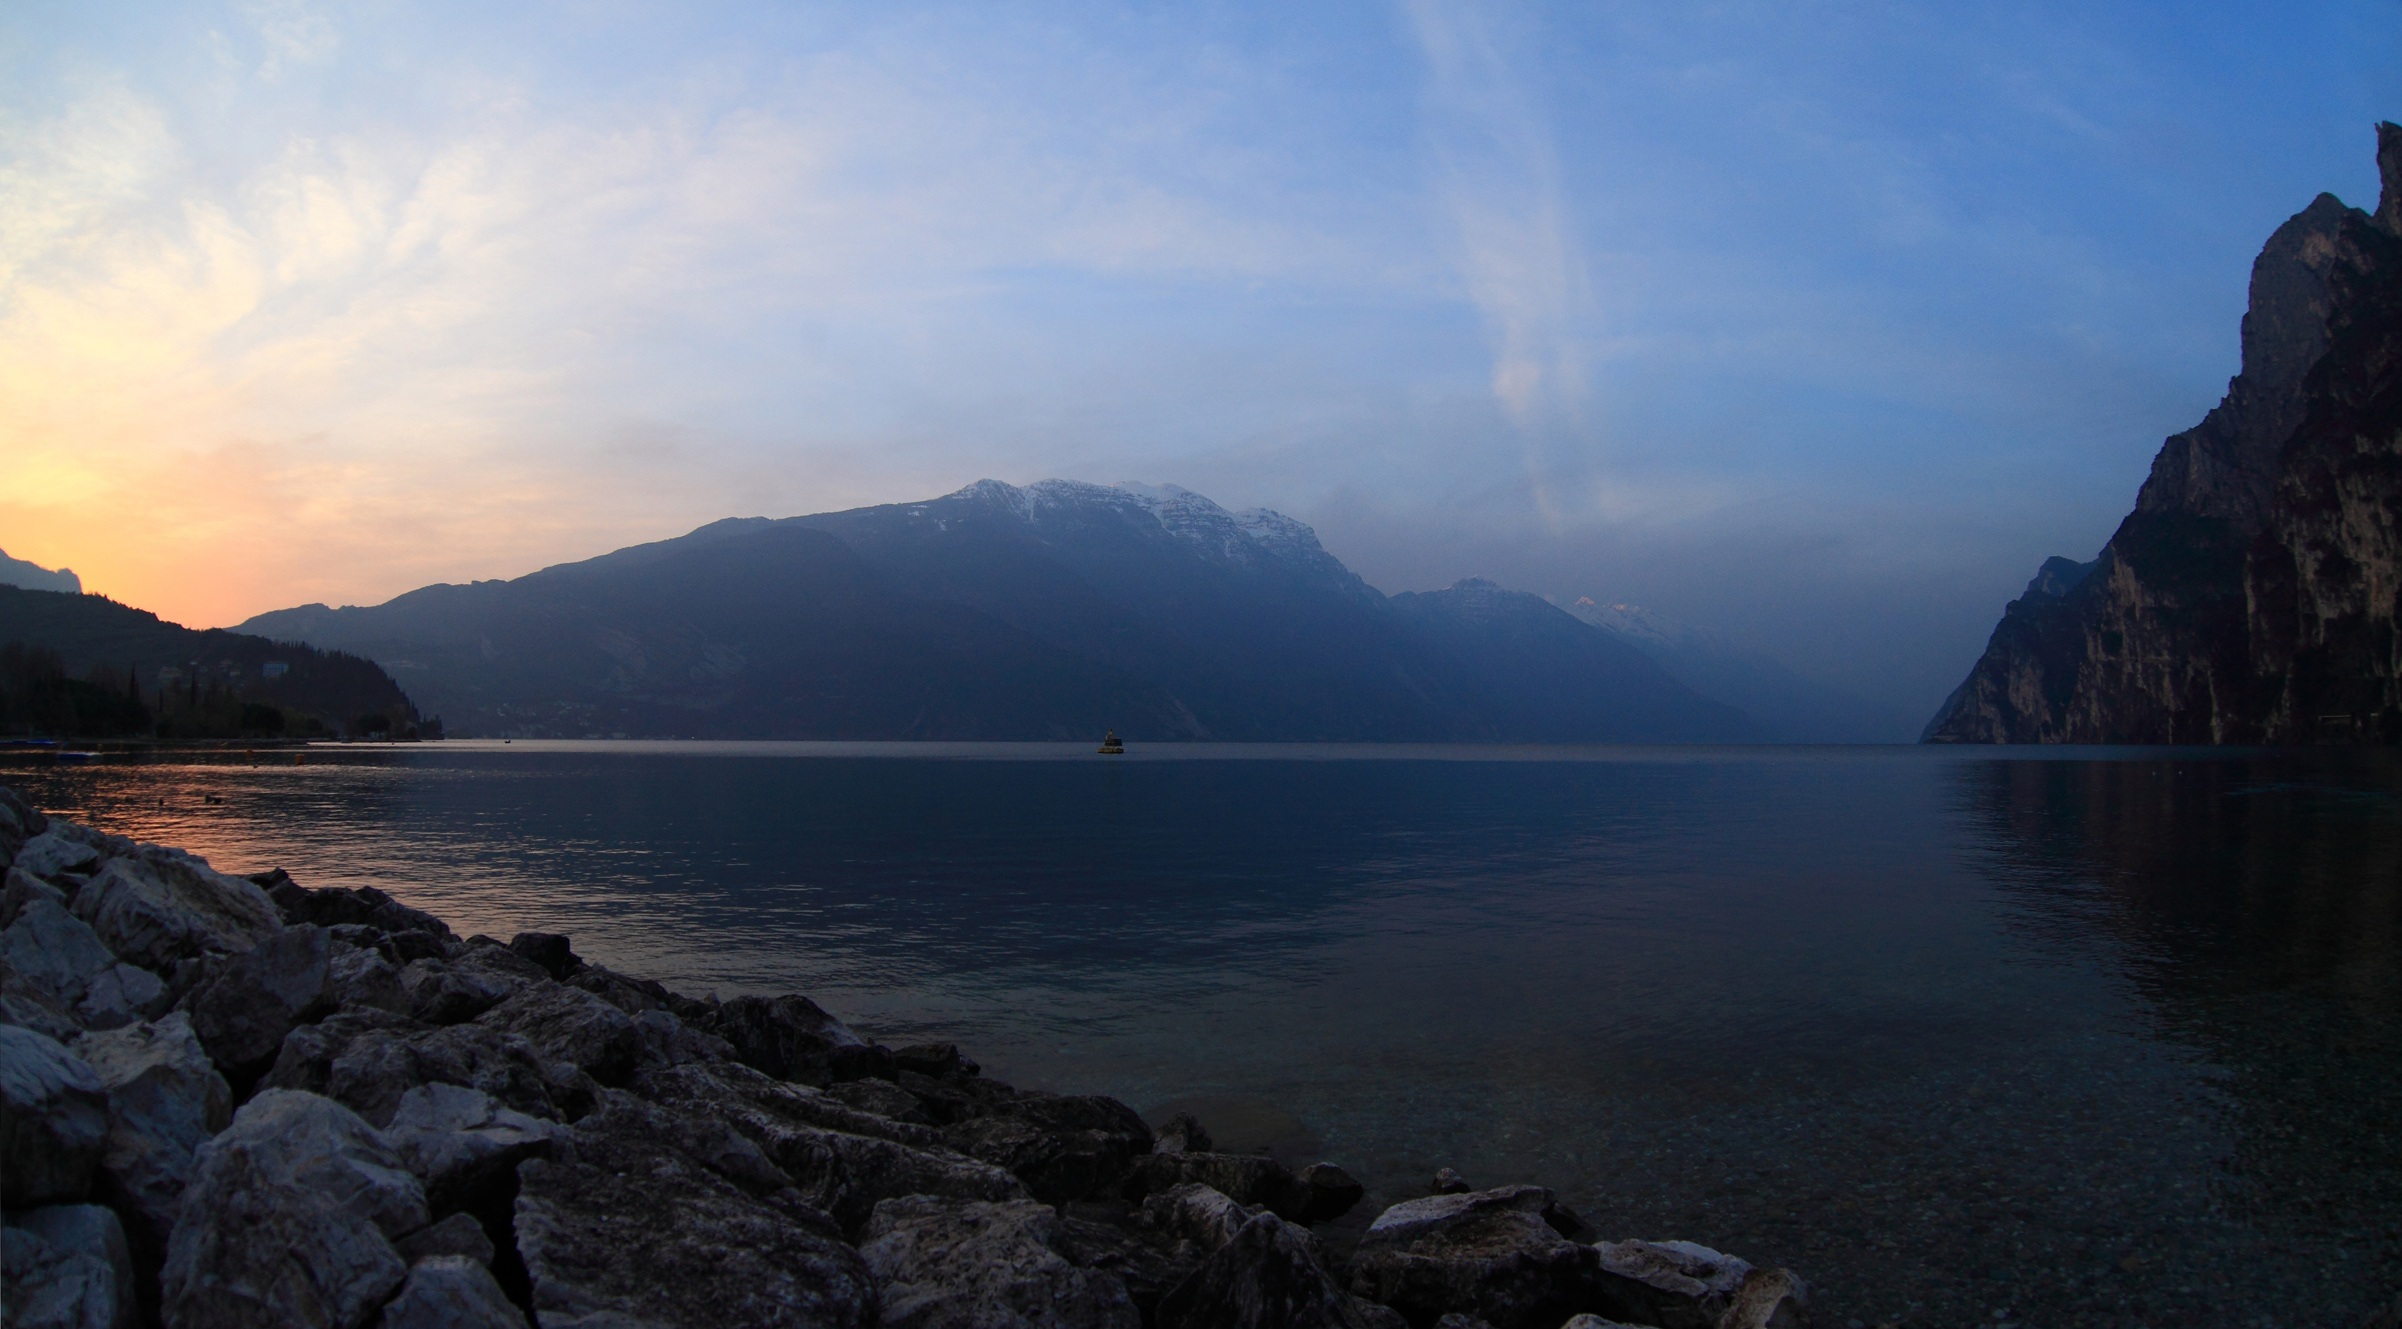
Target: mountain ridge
[
  {"x": 1052, "y": 610},
  {"x": 2250, "y": 595}
]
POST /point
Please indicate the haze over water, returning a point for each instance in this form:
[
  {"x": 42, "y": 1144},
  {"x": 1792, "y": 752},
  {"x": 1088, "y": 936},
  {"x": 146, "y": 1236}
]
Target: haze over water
[{"x": 2073, "y": 1036}]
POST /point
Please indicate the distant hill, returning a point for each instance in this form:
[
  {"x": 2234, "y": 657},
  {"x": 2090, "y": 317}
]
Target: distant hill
[
  {"x": 1793, "y": 708},
  {"x": 35, "y": 577},
  {"x": 92, "y": 632},
  {"x": 1057, "y": 610}
]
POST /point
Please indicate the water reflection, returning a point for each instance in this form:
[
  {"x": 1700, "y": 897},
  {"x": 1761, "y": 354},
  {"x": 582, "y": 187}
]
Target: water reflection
[
  {"x": 2254, "y": 907},
  {"x": 2088, "y": 1038}
]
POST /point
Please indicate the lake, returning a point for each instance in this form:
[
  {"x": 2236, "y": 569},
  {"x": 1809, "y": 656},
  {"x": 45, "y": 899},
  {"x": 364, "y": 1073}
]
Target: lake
[{"x": 1991, "y": 1036}]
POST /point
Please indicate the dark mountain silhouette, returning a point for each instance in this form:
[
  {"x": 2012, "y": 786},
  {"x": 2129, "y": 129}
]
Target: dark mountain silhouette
[
  {"x": 1056, "y": 610},
  {"x": 91, "y": 632},
  {"x": 35, "y": 577},
  {"x": 2251, "y": 597}
]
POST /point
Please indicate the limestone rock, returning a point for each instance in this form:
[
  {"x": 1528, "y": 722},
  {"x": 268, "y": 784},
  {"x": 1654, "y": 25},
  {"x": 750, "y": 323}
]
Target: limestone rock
[
  {"x": 153, "y": 912},
  {"x": 1768, "y": 1299},
  {"x": 20, "y": 821},
  {"x": 459, "y": 1234},
  {"x": 467, "y": 984},
  {"x": 882, "y": 1098},
  {"x": 288, "y": 1220},
  {"x": 53, "y": 1120},
  {"x": 549, "y": 950},
  {"x": 367, "y": 1060},
  {"x": 572, "y": 1026},
  {"x": 1267, "y": 1277},
  {"x": 164, "y": 1099},
  {"x": 54, "y": 853},
  {"x": 1195, "y": 1213},
  {"x": 68, "y": 1267},
  {"x": 934, "y": 1060},
  {"x": 1332, "y": 1193},
  {"x": 54, "y": 951},
  {"x": 1589, "y": 1320},
  {"x": 26, "y": 1007},
  {"x": 1180, "y": 1134},
  {"x": 366, "y": 905},
  {"x": 671, "y": 1245},
  {"x": 54, "y": 1284},
  {"x": 1486, "y": 1253},
  {"x": 791, "y": 1038},
  {"x": 1068, "y": 1147},
  {"x": 450, "y": 1292},
  {"x": 1673, "y": 1284},
  {"x": 23, "y": 888},
  {"x": 364, "y": 979},
  {"x": 242, "y": 1012},
  {"x": 1248, "y": 1179},
  {"x": 1448, "y": 1182},
  {"x": 835, "y": 1170},
  {"x": 968, "y": 1264},
  {"x": 460, "y": 1144}
]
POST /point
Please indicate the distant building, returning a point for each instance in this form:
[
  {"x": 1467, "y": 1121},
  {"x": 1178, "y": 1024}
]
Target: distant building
[{"x": 274, "y": 669}]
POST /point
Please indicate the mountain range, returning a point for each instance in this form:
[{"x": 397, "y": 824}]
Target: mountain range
[
  {"x": 35, "y": 577},
  {"x": 1791, "y": 707},
  {"x": 1055, "y": 610},
  {"x": 2254, "y": 595}
]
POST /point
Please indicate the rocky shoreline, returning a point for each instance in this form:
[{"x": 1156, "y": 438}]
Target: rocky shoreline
[{"x": 237, "y": 1101}]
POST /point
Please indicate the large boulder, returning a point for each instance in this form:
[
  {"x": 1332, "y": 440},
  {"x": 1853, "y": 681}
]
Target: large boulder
[
  {"x": 836, "y": 1170},
  {"x": 59, "y": 955},
  {"x": 1068, "y": 1147},
  {"x": 67, "y": 1267},
  {"x": 1489, "y": 1254},
  {"x": 549, "y": 950},
  {"x": 20, "y": 821},
  {"x": 20, "y": 888},
  {"x": 1768, "y": 1299},
  {"x": 1332, "y": 1193},
  {"x": 669, "y": 1244},
  {"x": 164, "y": 1099},
  {"x": 1248, "y": 1179},
  {"x": 55, "y": 854},
  {"x": 288, "y": 1221},
  {"x": 26, "y": 1006},
  {"x": 1195, "y": 1214},
  {"x": 467, "y": 984},
  {"x": 792, "y": 1038},
  {"x": 333, "y": 906},
  {"x": 1673, "y": 1284},
  {"x": 53, "y": 1120},
  {"x": 971, "y": 1264},
  {"x": 367, "y": 1060},
  {"x": 1267, "y": 1277},
  {"x": 451, "y": 1292},
  {"x": 463, "y": 1146},
  {"x": 574, "y": 1027},
  {"x": 365, "y": 979},
  {"x": 242, "y": 1011},
  {"x": 153, "y": 912}
]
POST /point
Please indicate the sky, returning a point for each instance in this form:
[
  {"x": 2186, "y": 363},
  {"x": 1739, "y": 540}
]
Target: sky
[{"x": 1816, "y": 325}]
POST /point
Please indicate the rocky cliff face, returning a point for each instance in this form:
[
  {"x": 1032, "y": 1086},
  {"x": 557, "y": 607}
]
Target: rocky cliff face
[{"x": 2252, "y": 595}]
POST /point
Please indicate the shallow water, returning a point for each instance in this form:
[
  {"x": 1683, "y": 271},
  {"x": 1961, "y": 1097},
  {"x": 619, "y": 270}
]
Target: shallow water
[{"x": 2069, "y": 1036}]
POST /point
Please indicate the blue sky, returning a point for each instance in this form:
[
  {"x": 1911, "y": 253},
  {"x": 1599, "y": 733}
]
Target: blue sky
[{"x": 1817, "y": 325}]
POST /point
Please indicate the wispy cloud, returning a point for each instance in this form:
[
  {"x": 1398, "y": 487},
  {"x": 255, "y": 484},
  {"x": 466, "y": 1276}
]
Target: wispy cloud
[{"x": 1497, "y": 178}]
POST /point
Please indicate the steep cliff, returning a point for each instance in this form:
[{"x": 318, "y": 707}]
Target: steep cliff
[{"x": 2252, "y": 595}]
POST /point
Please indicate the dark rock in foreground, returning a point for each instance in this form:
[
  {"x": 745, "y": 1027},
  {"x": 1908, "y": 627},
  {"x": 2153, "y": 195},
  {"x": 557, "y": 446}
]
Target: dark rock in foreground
[{"x": 229, "y": 1101}]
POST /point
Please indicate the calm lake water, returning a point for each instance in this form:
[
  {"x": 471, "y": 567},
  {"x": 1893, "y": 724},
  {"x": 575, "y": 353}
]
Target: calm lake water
[{"x": 1998, "y": 1037}]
